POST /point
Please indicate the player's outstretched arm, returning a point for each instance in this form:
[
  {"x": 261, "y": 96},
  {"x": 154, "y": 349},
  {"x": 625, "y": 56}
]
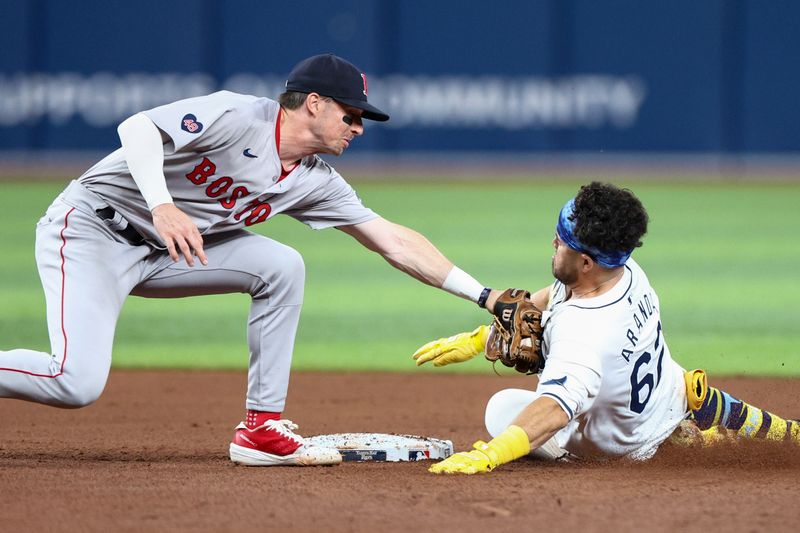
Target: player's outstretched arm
[
  {"x": 410, "y": 252},
  {"x": 456, "y": 349},
  {"x": 404, "y": 249},
  {"x": 534, "y": 426}
]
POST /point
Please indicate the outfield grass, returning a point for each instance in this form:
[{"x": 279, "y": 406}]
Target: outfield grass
[{"x": 721, "y": 256}]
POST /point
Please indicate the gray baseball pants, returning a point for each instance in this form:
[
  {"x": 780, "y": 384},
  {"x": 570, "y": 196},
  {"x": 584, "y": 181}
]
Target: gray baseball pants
[{"x": 88, "y": 269}]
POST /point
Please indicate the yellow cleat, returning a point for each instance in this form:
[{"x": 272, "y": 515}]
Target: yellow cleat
[
  {"x": 473, "y": 462},
  {"x": 717, "y": 435},
  {"x": 688, "y": 434}
]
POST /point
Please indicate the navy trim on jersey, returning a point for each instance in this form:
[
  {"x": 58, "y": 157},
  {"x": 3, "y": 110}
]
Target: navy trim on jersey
[
  {"x": 562, "y": 403},
  {"x": 630, "y": 284},
  {"x": 559, "y": 381}
]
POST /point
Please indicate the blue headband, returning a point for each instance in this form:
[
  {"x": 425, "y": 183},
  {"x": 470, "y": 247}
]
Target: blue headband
[{"x": 566, "y": 232}]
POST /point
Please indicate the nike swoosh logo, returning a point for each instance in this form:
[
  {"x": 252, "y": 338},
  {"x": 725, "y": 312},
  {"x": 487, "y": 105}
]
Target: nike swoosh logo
[
  {"x": 559, "y": 381},
  {"x": 247, "y": 153}
]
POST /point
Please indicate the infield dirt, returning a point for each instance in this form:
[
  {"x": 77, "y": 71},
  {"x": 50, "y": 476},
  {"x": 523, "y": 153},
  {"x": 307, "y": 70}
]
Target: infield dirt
[{"x": 151, "y": 455}]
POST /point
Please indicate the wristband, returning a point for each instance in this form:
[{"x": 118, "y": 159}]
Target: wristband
[
  {"x": 511, "y": 444},
  {"x": 483, "y": 297},
  {"x": 462, "y": 284}
]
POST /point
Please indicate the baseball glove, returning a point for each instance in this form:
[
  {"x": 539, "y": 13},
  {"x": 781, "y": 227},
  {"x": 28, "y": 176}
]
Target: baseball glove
[{"x": 515, "y": 335}]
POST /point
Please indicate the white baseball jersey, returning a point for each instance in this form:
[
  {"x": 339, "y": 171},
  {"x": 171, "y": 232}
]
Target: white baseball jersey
[
  {"x": 609, "y": 368},
  {"x": 223, "y": 169}
]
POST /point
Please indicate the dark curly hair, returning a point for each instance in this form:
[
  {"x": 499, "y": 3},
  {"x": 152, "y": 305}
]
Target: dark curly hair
[{"x": 608, "y": 218}]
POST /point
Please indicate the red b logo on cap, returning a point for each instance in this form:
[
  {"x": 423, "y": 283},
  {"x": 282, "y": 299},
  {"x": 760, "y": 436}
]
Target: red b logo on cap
[{"x": 364, "y": 77}]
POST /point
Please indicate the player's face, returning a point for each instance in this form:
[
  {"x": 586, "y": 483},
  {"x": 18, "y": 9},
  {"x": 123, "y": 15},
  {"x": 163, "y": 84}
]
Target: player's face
[
  {"x": 339, "y": 125},
  {"x": 566, "y": 262}
]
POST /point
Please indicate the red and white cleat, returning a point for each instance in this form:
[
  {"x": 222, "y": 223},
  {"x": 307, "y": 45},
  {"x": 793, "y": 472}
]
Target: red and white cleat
[{"x": 274, "y": 443}]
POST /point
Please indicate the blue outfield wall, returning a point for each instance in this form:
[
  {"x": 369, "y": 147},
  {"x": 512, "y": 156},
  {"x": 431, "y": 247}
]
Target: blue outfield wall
[{"x": 534, "y": 76}]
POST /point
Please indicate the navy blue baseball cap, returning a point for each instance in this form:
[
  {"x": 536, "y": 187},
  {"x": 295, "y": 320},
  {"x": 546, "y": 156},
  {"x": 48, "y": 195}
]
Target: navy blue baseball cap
[{"x": 332, "y": 76}]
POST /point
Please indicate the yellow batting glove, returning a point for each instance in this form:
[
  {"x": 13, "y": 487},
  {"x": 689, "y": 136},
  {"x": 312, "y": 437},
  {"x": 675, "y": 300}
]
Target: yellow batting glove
[
  {"x": 474, "y": 462},
  {"x": 455, "y": 349},
  {"x": 511, "y": 444}
]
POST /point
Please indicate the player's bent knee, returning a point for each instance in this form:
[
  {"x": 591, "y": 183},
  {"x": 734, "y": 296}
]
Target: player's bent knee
[
  {"x": 504, "y": 407},
  {"x": 291, "y": 265},
  {"x": 270, "y": 260},
  {"x": 81, "y": 398},
  {"x": 73, "y": 393},
  {"x": 283, "y": 275}
]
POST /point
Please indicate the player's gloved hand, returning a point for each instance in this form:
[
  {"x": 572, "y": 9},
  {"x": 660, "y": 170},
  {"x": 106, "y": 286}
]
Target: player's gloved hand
[
  {"x": 474, "y": 462},
  {"x": 455, "y": 349},
  {"x": 511, "y": 444}
]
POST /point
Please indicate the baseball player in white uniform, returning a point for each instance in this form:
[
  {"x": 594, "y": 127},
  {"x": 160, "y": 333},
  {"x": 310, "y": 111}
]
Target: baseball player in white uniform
[
  {"x": 608, "y": 368},
  {"x": 609, "y": 386},
  {"x": 167, "y": 215}
]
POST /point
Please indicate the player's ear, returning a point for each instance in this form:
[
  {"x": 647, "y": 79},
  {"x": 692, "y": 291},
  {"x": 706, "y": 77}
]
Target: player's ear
[
  {"x": 587, "y": 263},
  {"x": 313, "y": 103}
]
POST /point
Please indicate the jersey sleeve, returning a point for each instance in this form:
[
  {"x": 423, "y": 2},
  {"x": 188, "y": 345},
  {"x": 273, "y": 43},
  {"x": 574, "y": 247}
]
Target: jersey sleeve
[
  {"x": 572, "y": 376},
  {"x": 202, "y": 122},
  {"x": 332, "y": 204}
]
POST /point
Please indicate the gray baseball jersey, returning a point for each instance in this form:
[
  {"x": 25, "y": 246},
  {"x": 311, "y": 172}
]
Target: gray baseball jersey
[{"x": 223, "y": 169}]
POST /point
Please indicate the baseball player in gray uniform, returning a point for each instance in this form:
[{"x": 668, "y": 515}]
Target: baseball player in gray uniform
[{"x": 168, "y": 215}]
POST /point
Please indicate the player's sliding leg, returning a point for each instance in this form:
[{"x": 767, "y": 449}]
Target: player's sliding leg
[
  {"x": 712, "y": 408},
  {"x": 86, "y": 273},
  {"x": 273, "y": 275},
  {"x": 748, "y": 421}
]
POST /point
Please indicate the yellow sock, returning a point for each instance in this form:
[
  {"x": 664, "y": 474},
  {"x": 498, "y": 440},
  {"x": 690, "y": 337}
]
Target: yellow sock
[
  {"x": 721, "y": 409},
  {"x": 794, "y": 431},
  {"x": 778, "y": 429}
]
